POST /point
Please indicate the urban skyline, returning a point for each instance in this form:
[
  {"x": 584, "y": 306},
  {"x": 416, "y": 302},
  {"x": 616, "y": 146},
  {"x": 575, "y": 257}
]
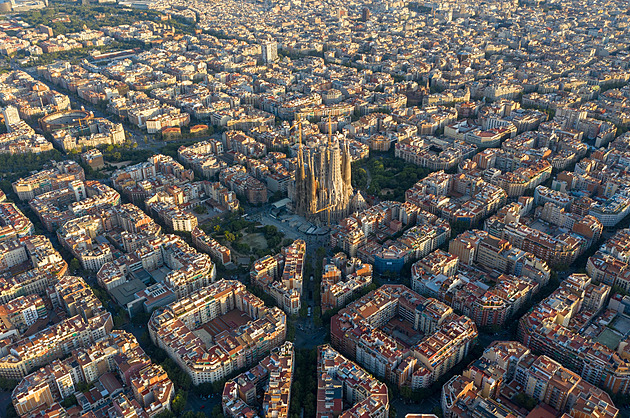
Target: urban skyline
[{"x": 316, "y": 209}]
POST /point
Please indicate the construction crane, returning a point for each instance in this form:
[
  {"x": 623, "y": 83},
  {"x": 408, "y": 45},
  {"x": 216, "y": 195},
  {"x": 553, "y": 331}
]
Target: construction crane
[{"x": 327, "y": 209}]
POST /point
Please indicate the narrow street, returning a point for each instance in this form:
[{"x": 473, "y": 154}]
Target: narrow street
[
  {"x": 425, "y": 406},
  {"x": 5, "y": 400}
]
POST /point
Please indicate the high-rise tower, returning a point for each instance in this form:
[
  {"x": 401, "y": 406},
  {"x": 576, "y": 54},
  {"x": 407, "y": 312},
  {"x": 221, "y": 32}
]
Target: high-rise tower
[
  {"x": 269, "y": 51},
  {"x": 11, "y": 116}
]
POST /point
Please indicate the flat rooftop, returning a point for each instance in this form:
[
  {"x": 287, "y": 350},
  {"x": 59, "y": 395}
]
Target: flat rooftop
[
  {"x": 232, "y": 319},
  {"x": 125, "y": 293},
  {"x": 403, "y": 332}
]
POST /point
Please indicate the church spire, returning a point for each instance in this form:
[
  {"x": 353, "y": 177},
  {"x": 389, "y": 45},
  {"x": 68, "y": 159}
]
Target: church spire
[
  {"x": 300, "y": 175},
  {"x": 346, "y": 167}
]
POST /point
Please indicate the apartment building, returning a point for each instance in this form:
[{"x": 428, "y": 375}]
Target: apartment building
[
  {"x": 341, "y": 381},
  {"x": 171, "y": 328},
  {"x": 282, "y": 276},
  {"x": 357, "y": 331},
  {"x": 270, "y": 380}
]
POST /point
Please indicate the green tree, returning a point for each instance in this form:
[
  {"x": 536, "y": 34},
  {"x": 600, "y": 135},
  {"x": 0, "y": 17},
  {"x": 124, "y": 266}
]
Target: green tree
[
  {"x": 180, "y": 378},
  {"x": 7, "y": 384},
  {"x": 69, "y": 401},
  {"x": 74, "y": 266},
  {"x": 179, "y": 402},
  {"x": 290, "y": 331},
  {"x": 525, "y": 401},
  {"x": 317, "y": 316},
  {"x": 217, "y": 412},
  {"x": 200, "y": 210},
  {"x": 83, "y": 387}
]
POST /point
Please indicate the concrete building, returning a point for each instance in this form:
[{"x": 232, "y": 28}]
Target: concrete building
[{"x": 269, "y": 52}]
